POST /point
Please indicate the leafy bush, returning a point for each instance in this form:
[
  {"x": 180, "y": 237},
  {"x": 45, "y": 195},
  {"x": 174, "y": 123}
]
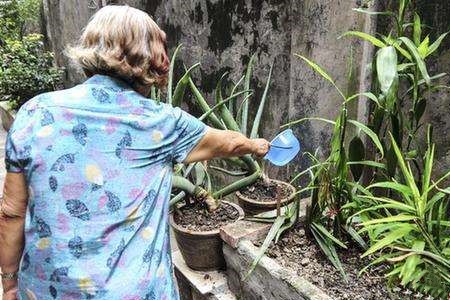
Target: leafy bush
[
  {"x": 26, "y": 70},
  {"x": 411, "y": 230},
  {"x": 15, "y": 15}
]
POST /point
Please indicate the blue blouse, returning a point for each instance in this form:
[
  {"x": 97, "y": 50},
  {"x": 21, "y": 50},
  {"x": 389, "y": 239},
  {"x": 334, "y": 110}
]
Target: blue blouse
[{"x": 98, "y": 159}]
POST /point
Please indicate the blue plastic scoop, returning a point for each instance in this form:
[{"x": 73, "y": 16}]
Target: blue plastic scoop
[{"x": 283, "y": 148}]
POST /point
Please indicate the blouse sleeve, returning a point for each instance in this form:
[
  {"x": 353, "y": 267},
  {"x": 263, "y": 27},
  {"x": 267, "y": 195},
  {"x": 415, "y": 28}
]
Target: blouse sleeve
[
  {"x": 189, "y": 131},
  {"x": 18, "y": 140}
]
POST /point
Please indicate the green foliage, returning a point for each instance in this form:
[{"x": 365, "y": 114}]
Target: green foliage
[
  {"x": 402, "y": 85},
  {"x": 410, "y": 229},
  {"x": 15, "y": 14},
  {"x": 26, "y": 70}
]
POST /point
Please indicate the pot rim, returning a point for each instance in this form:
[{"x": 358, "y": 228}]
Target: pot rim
[
  {"x": 179, "y": 228},
  {"x": 270, "y": 203}
]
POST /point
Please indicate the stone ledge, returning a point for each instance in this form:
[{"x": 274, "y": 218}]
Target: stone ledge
[
  {"x": 232, "y": 234},
  {"x": 269, "y": 280},
  {"x": 196, "y": 285}
]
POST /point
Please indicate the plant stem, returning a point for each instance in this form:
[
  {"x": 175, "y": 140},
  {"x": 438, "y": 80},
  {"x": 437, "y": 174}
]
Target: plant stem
[
  {"x": 196, "y": 191},
  {"x": 237, "y": 185}
]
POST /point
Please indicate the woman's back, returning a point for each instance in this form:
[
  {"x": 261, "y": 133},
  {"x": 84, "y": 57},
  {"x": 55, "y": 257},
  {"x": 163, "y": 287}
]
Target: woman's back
[{"x": 98, "y": 162}]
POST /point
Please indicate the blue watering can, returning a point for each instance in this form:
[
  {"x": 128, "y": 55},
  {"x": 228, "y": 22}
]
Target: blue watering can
[{"x": 283, "y": 148}]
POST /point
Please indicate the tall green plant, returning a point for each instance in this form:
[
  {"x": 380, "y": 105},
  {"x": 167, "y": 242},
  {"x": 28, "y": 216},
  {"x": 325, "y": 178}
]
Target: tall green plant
[
  {"x": 331, "y": 178},
  {"x": 410, "y": 230},
  {"x": 402, "y": 83}
]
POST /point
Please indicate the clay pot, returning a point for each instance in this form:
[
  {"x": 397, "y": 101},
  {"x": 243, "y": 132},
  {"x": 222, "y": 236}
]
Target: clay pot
[
  {"x": 201, "y": 250},
  {"x": 253, "y": 207},
  {"x": 6, "y": 116}
]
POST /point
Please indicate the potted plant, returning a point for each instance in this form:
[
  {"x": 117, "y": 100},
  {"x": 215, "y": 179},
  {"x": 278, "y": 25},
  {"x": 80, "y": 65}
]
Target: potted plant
[
  {"x": 197, "y": 221},
  {"x": 256, "y": 192},
  {"x": 197, "y": 213}
]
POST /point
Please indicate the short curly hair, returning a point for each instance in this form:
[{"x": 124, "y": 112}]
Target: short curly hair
[{"x": 124, "y": 42}]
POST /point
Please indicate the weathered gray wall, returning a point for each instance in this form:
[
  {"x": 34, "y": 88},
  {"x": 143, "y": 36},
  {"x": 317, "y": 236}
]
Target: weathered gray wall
[{"x": 222, "y": 34}]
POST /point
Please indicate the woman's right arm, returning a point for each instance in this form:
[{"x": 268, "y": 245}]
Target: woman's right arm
[
  {"x": 226, "y": 143},
  {"x": 12, "y": 221}
]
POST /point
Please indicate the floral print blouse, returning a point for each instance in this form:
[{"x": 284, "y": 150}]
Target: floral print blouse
[{"x": 98, "y": 160}]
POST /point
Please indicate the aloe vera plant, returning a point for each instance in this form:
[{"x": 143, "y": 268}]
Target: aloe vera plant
[
  {"x": 227, "y": 114},
  {"x": 410, "y": 230},
  {"x": 193, "y": 181},
  {"x": 219, "y": 116}
]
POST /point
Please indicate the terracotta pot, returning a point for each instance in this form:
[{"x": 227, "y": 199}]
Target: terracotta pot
[
  {"x": 201, "y": 250},
  {"x": 6, "y": 116},
  {"x": 253, "y": 207}
]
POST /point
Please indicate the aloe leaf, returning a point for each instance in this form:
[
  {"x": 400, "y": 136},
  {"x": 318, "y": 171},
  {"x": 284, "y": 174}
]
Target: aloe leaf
[
  {"x": 257, "y": 120},
  {"x": 170, "y": 77},
  {"x": 204, "y": 106},
  {"x": 269, "y": 238},
  {"x": 183, "y": 184},
  {"x": 372, "y": 135},
  {"x": 433, "y": 47},
  {"x": 223, "y": 102},
  {"x": 324, "y": 74},
  {"x": 225, "y": 114},
  {"x": 307, "y": 119},
  {"x": 419, "y": 61},
  {"x": 232, "y": 104},
  {"x": 177, "y": 198},
  {"x": 237, "y": 185},
  {"x": 248, "y": 76},
  {"x": 367, "y": 37},
  {"x": 178, "y": 94},
  {"x": 200, "y": 173},
  {"x": 388, "y": 239},
  {"x": 228, "y": 172},
  {"x": 386, "y": 68}
]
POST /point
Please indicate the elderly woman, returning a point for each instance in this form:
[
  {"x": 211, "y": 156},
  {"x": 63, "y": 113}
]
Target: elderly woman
[{"x": 79, "y": 219}]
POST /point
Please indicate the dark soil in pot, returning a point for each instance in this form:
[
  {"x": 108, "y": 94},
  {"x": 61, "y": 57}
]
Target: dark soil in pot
[
  {"x": 266, "y": 191},
  {"x": 196, "y": 217},
  {"x": 264, "y": 195},
  {"x": 300, "y": 253},
  {"x": 197, "y": 233}
]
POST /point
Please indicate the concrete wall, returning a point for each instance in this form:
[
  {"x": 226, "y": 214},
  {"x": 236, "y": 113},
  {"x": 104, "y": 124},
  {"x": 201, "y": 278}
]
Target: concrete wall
[{"x": 222, "y": 34}]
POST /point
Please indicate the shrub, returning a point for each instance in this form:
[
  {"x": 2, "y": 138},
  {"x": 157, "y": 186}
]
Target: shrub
[{"x": 26, "y": 70}]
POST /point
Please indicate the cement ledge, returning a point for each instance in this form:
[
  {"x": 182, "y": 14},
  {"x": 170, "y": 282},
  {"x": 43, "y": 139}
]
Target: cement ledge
[{"x": 269, "y": 280}]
